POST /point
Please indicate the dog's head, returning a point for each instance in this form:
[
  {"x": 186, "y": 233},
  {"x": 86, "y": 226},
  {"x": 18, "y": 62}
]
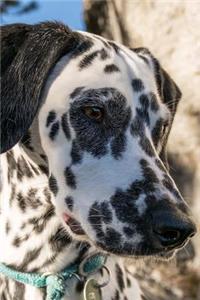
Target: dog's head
[{"x": 104, "y": 113}]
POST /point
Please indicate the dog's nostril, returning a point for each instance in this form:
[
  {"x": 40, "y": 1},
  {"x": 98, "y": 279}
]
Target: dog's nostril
[
  {"x": 168, "y": 237},
  {"x": 170, "y": 230}
]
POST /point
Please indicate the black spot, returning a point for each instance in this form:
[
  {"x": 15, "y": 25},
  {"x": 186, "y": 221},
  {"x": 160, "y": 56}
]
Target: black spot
[
  {"x": 23, "y": 169},
  {"x": 47, "y": 195},
  {"x": 54, "y": 130},
  {"x": 144, "y": 101},
  {"x": 65, "y": 126},
  {"x": 103, "y": 54},
  {"x": 70, "y": 178},
  {"x": 19, "y": 240},
  {"x": 13, "y": 193},
  {"x": 32, "y": 200},
  {"x": 51, "y": 117},
  {"x": 156, "y": 131},
  {"x": 70, "y": 202},
  {"x": 95, "y": 219},
  {"x": 88, "y": 59},
  {"x": 111, "y": 68},
  {"x": 112, "y": 238},
  {"x": 143, "y": 115},
  {"x": 124, "y": 207},
  {"x": 153, "y": 102},
  {"x": 7, "y": 228},
  {"x": 53, "y": 185},
  {"x": 19, "y": 291},
  {"x": 44, "y": 169},
  {"x": 129, "y": 232},
  {"x": 28, "y": 259},
  {"x": 114, "y": 46},
  {"x": 106, "y": 213},
  {"x": 59, "y": 240},
  {"x": 128, "y": 282},
  {"x": 120, "y": 278},
  {"x": 137, "y": 127},
  {"x": 118, "y": 146},
  {"x": 84, "y": 47},
  {"x": 76, "y": 92},
  {"x": 116, "y": 295},
  {"x": 40, "y": 223},
  {"x": 148, "y": 173},
  {"x": 21, "y": 201},
  {"x": 137, "y": 85},
  {"x": 160, "y": 165},
  {"x": 146, "y": 146},
  {"x": 76, "y": 153}
]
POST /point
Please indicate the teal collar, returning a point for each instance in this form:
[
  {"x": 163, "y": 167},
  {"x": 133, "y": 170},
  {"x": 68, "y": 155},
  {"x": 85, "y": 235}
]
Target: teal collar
[{"x": 56, "y": 284}]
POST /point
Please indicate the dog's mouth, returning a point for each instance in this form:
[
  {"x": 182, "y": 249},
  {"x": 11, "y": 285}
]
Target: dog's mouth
[
  {"x": 76, "y": 228},
  {"x": 73, "y": 224}
]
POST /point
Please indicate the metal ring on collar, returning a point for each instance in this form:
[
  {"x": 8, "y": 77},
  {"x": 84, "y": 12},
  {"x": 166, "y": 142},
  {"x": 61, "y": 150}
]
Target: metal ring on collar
[{"x": 101, "y": 285}]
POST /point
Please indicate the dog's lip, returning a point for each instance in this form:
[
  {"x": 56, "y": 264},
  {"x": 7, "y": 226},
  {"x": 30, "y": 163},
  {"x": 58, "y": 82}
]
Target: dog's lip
[{"x": 73, "y": 224}]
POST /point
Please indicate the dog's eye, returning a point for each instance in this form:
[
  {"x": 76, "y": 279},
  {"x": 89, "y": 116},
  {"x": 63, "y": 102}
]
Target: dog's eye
[{"x": 93, "y": 112}]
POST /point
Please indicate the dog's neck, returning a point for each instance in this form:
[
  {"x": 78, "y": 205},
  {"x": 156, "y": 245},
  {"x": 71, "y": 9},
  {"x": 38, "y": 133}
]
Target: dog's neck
[{"x": 31, "y": 235}]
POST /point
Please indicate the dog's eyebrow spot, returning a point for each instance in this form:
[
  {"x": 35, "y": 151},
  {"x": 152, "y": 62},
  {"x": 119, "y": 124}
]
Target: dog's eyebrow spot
[
  {"x": 70, "y": 202},
  {"x": 65, "y": 126},
  {"x": 70, "y": 178},
  {"x": 137, "y": 85},
  {"x": 111, "y": 68},
  {"x": 53, "y": 185},
  {"x": 51, "y": 117},
  {"x": 54, "y": 130}
]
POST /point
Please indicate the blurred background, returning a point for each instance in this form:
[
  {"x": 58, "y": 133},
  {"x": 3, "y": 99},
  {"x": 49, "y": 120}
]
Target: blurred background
[{"x": 170, "y": 29}]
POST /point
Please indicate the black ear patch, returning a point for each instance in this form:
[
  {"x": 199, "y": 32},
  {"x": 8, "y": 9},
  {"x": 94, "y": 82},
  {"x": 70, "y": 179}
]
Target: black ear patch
[{"x": 29, "y": 52}]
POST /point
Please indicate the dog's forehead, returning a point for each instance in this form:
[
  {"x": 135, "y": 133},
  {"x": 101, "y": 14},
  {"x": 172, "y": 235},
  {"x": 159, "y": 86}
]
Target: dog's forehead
[{"x": 115, "y": 70}]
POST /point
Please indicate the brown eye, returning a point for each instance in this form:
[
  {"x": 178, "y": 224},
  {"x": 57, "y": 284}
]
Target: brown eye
[{"x": 93, "y": 112}]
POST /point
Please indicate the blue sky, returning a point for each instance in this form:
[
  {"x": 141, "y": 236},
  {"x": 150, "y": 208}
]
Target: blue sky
[{"x": 68, "y": 11}]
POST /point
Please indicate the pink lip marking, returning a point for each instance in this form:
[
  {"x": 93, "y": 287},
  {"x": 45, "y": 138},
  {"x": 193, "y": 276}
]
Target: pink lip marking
[{"x": 66, "y": 217}]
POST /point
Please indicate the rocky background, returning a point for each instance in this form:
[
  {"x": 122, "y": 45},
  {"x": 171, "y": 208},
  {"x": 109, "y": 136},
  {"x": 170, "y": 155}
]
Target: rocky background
[{"x": 171, "y": 30}]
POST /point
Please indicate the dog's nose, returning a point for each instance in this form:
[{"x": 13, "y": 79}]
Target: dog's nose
[{"x": 172, "y": 231}]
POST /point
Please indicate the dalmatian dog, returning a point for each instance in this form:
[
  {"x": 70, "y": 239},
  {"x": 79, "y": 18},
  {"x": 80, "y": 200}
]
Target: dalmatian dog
[{"x": 84, "y": 125}]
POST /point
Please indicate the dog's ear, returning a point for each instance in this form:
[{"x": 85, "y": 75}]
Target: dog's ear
[
  {"x": 28, "y": 52},
  {"x": 169, "y": 92}
]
